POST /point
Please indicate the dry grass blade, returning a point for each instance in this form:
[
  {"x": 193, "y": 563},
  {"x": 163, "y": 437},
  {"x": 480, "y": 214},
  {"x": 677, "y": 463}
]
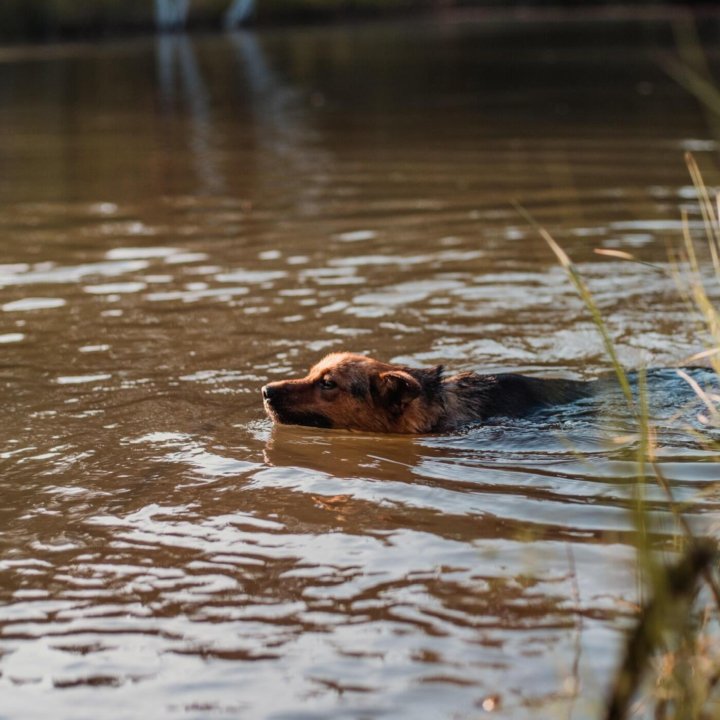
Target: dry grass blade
[
  {"x": 709, "y": 404},
  {"x": 647, "y": 569},
  {"x": 712, "y": 229},
  {"x": 615, "y": 253},
  {"x": 702, "y": 355},
  {"x": 702, "y": 88},
  {"x": 677, "y": 512},
  {"x": 622, "y": 255},
  {"x": 667, "y": 610},
  {"x": 696, "y": 291},
  {"x": 587, "y": 298}
]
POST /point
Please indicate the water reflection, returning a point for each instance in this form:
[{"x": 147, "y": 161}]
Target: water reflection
[
  {"x": 287, "y": 144},
  {"x": 238, "y": 12},
  {"x": 179, "y": 74},
  {"x": 171, "y": 14}
]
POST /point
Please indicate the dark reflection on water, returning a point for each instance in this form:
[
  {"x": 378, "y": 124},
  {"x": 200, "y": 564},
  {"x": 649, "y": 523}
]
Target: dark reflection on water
[{"x": 182, "y": 220}]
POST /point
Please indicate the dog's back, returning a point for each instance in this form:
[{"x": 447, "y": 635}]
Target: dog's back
[
  {"x": 470, "y": 397},
  {"x": 515, "y": 395}
]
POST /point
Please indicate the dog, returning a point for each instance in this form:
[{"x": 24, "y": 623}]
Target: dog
[{"x": 355, "y": 392}]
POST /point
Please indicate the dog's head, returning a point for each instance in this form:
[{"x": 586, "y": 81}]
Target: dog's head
[{"x": 355, "y": 392}]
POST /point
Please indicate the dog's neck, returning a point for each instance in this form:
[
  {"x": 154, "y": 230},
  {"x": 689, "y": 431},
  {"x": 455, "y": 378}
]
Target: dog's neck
[
  {"x": 460, "y": 399},
  {"x": 443, "y": 404}
]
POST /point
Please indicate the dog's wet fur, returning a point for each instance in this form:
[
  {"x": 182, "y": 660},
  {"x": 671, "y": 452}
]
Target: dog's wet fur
[{"x": 354, "y": 392}]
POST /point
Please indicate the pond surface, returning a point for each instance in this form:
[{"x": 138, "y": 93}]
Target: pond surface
[{"x": 185, "y": 219}]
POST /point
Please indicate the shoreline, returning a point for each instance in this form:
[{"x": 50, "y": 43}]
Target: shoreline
[{"x": 113, "y": 19}]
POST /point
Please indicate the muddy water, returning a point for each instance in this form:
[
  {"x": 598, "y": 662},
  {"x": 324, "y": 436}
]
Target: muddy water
[{"x": 181, "y": 221}]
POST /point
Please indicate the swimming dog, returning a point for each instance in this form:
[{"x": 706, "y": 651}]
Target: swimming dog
[{"x": 355, "y": 392}]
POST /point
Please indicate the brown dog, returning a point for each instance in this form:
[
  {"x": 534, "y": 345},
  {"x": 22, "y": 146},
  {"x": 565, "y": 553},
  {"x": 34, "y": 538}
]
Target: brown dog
[{"x": 355, "y": 392}]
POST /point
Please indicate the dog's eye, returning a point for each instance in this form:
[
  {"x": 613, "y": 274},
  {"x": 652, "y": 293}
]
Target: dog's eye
[{"x": 327, "y": 384}]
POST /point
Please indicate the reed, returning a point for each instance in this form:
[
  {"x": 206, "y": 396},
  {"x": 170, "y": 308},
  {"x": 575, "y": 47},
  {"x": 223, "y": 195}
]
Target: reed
[{"x": 669, "y": 669}]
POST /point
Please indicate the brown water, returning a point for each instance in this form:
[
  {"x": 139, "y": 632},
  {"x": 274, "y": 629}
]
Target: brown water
[{"x": 182, "y": 220}]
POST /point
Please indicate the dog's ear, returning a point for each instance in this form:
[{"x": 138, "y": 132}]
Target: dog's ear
[{"x": 396, "y": 388}]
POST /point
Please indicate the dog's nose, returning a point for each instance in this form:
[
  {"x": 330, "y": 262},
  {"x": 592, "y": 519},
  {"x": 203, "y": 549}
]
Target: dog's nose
[{"x": 267, "y": 392}]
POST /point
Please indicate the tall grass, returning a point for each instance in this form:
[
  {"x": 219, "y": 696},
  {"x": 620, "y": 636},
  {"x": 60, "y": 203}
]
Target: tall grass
[{"x": 670, "y": 668}]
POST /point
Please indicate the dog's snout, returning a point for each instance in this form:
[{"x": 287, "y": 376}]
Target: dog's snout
[{"x": 267, "y": 392}]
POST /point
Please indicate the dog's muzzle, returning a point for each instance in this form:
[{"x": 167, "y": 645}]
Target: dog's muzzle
[{"x": 274, "y": 400}]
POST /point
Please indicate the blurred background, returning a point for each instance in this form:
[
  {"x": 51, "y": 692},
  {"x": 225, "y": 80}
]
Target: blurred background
[{"x": 55, "y": 19}]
